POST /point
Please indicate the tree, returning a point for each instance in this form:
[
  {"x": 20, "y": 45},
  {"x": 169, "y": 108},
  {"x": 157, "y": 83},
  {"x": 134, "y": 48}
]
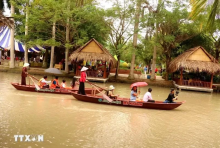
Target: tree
[
  {"x": 12, "y": 43},
  {"x": 75, "y": 24},
  {"x": 198, "y": 7},
  {"x": 174, "y": 28},
  {"x": 212, "y": 9},
  {"x": 135, "y": 37},
  {"x": 119, "y": 21}
]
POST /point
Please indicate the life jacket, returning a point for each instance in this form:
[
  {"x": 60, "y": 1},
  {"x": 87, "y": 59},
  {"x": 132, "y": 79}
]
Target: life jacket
[
  {"x": 41, "y": 84},
  {"x": 63, "y": 85},
  {"x": 54, "y": 85}
]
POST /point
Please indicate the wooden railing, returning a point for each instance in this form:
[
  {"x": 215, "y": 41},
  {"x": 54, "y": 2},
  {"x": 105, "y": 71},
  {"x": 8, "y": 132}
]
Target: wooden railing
[{"x": 194, "y": 83}]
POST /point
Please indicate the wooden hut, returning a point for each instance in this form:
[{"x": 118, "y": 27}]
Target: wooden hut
[
  {"x": 5, "y": 21},
  {"x": 93, "y": 51},
  {"x": 195, "y": 60}
]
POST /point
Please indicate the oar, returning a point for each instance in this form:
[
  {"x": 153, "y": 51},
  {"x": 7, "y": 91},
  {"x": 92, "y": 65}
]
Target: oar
[
  {"x": 33, "y": 77},
  {"x": 37, "y": 87},
  {"x": 96, "y": 86},
  {"x": 104, "y": 95}
]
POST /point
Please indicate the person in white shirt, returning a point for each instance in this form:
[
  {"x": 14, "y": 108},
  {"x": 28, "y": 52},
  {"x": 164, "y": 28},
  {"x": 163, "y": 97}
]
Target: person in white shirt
[
  {"x": 147, "y": 96},
  {"x": 43, "y": 83}
]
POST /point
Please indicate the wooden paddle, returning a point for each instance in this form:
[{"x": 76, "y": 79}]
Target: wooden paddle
[
  {"x": 104, "y": 95},
  {"x": 37, "y": 87},
  {"x": 33, "y": 77},
  {"x": 97, "y": 86}
]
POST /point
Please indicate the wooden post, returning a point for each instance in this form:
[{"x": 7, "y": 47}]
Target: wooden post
[
  {"x": 105, "y": 73},
  {"x": 181, "y": 77},
  {"x": 211, "y": 81}
]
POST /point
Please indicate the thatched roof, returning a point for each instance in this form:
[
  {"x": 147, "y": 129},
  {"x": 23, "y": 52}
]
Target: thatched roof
[
  {"x": 93, "y": 50},
  {"x": 195, "y": 59},
  {"x": 4, "y": 21}
]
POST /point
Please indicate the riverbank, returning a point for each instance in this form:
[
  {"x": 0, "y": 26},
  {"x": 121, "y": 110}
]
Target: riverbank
[
  {"x": 33, "y": 71},
  {"x": 121, "y": 78}
]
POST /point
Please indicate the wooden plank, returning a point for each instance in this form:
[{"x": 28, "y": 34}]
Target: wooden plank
[{"x": 205, "y": 89}]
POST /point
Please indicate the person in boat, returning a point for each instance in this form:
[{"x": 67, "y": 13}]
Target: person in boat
[
  {"x": 55, "y": 83},
  {"x": 148, "y": 96},
  {"x": 82, "y": 81},
  {"x": 24, "y": 74},
  {"x": 171, "y": 97},
  {"x": 43, "y": 83},
  {"x": 74, "y": 83},
  {"x": 134, "y": 93},
  {"x": 110, "y": 92},
  {"x": 63, "y": 84}
]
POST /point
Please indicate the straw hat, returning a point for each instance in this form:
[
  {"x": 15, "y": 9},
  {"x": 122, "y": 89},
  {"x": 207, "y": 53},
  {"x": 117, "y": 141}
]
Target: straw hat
[
  {"x": 84, "y": 68},
  {"x": 26, "y": 64},
  {"x": 111, "y": 87}
]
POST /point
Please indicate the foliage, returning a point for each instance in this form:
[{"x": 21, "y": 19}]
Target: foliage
[{"x": 85, "y": 23}]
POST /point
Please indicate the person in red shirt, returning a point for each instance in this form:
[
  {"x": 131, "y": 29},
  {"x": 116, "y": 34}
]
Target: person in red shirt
[
  {"x": 156, "y": 70},
  {"x": 82, "y": 81}
]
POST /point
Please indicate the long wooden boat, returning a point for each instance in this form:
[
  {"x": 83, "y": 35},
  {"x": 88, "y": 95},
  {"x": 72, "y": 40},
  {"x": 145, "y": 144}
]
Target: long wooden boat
[
  {"x": 126, "y": 102},
  {"x": 32, "y": 88}
]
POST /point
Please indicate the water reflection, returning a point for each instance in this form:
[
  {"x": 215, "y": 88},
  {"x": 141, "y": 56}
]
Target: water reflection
[{"x": 65, "y": 121}]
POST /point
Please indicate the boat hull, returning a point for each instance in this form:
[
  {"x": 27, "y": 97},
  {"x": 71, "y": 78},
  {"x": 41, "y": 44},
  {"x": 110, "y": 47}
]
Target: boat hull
[
  {"x": 127, "y": 103},
  {"x": 32, "y": 88}
]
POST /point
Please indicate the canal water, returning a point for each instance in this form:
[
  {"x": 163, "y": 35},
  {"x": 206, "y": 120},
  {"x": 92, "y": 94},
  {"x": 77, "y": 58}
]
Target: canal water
[{"x": 66, "y": 122}]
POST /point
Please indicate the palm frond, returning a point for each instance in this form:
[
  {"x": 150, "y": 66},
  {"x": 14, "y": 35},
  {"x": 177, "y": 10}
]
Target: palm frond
[
  {"x": 197, "y": 7},
  {"x": 214, "y": 11}
]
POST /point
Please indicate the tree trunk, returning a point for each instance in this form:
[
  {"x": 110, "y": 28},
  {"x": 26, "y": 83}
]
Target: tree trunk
[
  {"x": 26, "y": 33},
  {"x": 52, "y": 48},
  {"x": 12, "y": 42},
  {"x": 117, "y": 68},
  {"x": 135, "y": 37},
  {"x": 168, "y": 59},
  {"x": 45, "y": 59},
  {"x": 154, "y": 63},
  {"x": 67, "y": 40}
]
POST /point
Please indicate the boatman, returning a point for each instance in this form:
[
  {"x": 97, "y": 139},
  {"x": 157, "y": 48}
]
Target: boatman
[
  {"x": 82, "y": 81},
  {"x": 24, "y": 74},
  {"x": 171, "y": 97},
  {"x": 55, "y": 83},
  {"x": 43, "y": 83}
]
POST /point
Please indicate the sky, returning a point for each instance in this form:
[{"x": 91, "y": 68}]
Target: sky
[{"x": 102, "y": 3}]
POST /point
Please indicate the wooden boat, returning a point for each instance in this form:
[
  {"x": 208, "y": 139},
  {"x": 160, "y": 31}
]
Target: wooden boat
[
  {"x": 126, "y": 102},
  {"x": 32, "y": 88}
]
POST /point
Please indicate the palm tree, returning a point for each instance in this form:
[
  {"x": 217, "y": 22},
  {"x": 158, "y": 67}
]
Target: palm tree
[{"x": 198, "y": 6}]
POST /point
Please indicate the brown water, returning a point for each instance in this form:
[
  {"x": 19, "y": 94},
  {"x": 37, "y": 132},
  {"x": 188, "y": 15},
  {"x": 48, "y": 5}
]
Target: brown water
[{"x": 67, "y": 122}]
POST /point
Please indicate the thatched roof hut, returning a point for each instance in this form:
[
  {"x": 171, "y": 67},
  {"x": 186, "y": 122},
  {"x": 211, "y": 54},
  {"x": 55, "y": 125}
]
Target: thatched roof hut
[
  {"x": 195, "y": 59},
  {"x": 93, "y": 50},
  {"x": 4, "y": 21}
]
